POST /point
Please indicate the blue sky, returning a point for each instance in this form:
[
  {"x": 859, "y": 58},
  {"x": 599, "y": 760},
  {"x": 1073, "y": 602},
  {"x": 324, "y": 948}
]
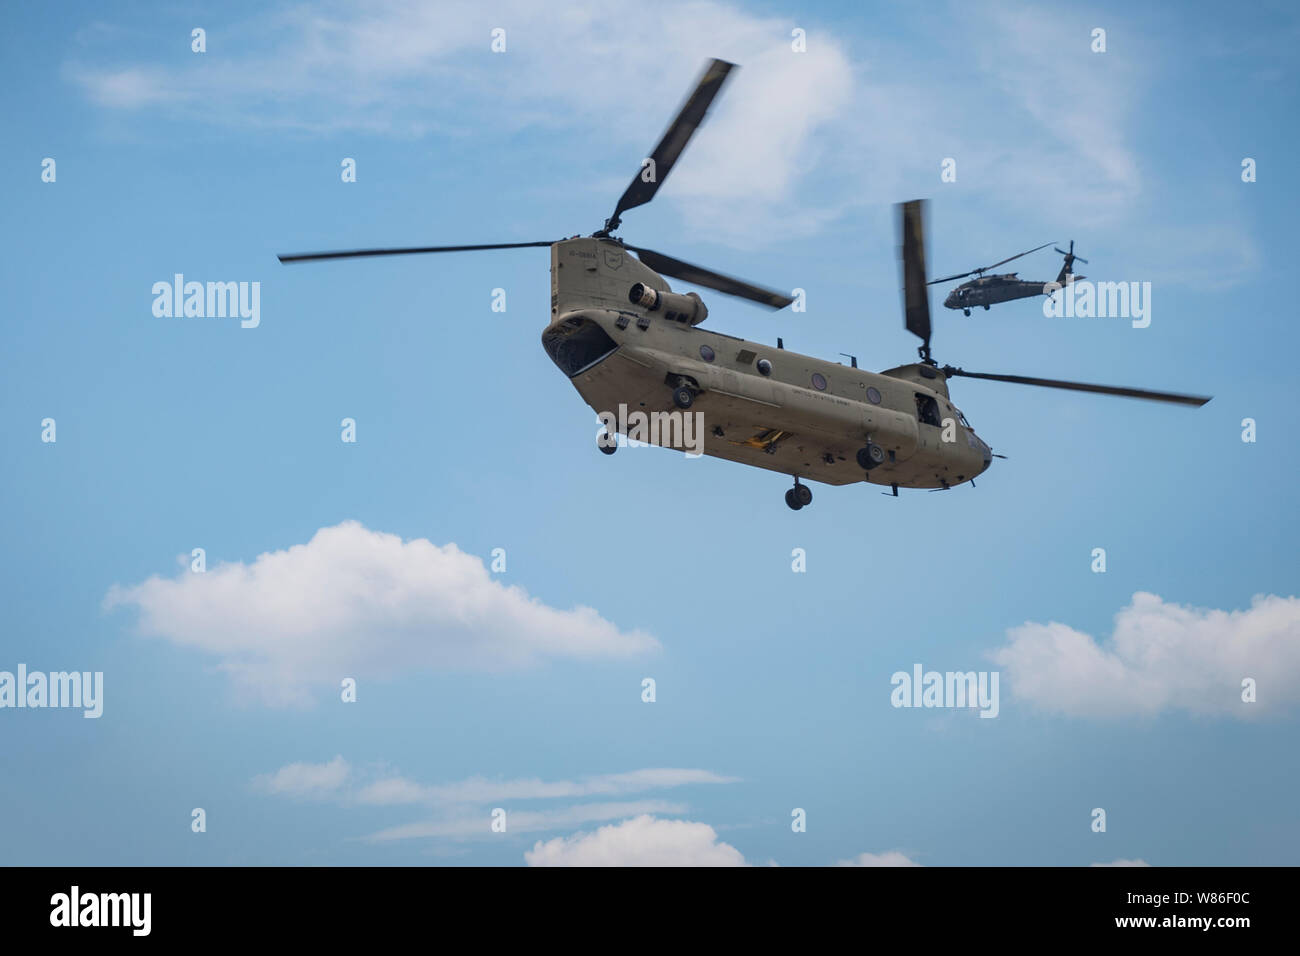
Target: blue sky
[{"x": 221, "y": 690}]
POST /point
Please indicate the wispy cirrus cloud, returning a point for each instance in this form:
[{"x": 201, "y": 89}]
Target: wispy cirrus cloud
[
  {"x": 393, "y": 790},
  {"x": 306, "y": 779},
  {"x": 409, "y": 69},
  {"x": 798, "y": 140},
  {"x": 470, "y": 826},
  {"x": 464, "y": 809}
]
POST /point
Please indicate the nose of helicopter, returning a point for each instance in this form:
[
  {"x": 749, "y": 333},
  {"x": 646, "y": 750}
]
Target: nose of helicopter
[{"x": 951, "y": 301}]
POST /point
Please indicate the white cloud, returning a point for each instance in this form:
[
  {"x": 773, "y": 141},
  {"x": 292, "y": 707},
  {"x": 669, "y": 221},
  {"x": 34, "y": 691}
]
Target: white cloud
[
  {"x": 306, "y": 779},
  {"x": 889, "y": 858},
  {"x": 360, "y": 603},
  {"x": 1123, "y": 863},
  {"x": 641, "y": 841},
  {"x": 1161, "y": 657}
]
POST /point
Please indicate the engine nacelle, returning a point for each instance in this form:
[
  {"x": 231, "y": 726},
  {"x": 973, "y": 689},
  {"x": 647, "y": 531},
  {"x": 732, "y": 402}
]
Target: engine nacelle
[{"x": 688, "y": 308}]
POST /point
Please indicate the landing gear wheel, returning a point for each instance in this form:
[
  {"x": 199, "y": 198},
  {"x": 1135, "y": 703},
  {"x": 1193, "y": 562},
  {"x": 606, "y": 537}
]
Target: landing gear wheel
[
  {"x": 683, "y": 396},
  {"x": 790, "y": 500},
  {"x": 986, "y": 308},
  {"x": 803, "y": 495},
  {"x": 610, "y": 448},
  {"x": 870, "y": 456},
  {"x": 965, "y": 312}
]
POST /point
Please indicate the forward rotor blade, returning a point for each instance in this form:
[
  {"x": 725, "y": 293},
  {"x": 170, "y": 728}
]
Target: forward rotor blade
[
  {"x": 1017, "y": 256},
  {"x": 916, "y": 298},
  {"x": 1176, "y": 398},
  {"x": 674, "y": 140},
  {"x": 696, "y": 275},
  {"x": 405, "y": 251}
]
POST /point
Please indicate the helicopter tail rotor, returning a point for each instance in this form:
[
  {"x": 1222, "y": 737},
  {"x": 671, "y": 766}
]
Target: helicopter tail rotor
[
  {"x": 1067, "y": 269},
  {"x": 1070, "y": 254}
]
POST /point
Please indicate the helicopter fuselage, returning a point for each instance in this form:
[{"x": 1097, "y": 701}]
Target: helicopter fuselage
[
  {"x": 756, "y": 404},
  {"x": 990, "y": 290}
]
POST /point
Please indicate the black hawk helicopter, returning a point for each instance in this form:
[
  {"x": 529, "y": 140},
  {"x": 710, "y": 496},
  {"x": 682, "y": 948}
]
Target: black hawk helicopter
[
  {"x": 625, "y": 339},
  {"x": 990, "y": 290}
]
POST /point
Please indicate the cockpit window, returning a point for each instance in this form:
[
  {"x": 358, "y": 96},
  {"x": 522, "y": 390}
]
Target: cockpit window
[
  {"x": 577, "y": 345},
  {"x": 927, "y": 410}
]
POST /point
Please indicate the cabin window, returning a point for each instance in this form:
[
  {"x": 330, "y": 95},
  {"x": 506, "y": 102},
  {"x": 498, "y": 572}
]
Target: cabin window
[
  {"x": 873, "y": 395},
  {"x": 706, "y": 353},
  {"x": 927, "y": 410},
  {"x": 819, "y": 381}
]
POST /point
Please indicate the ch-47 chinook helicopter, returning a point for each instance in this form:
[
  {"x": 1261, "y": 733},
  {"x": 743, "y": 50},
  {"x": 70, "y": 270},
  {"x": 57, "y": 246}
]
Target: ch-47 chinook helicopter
[
  {"x": 624, "y": 338},
  {"x": 990, "y": 290}
]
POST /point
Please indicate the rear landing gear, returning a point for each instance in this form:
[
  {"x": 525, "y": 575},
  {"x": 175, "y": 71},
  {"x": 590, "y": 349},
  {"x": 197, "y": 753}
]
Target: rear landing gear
[
  {"x": 986, "y": 308},
  {"x": 800, "y": 496},
  {"x": 965, "y": 312},
  {"x": 683, "y": 396}
]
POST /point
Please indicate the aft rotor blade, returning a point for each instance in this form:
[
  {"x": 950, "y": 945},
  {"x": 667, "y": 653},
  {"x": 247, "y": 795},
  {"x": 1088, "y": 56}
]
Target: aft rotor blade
[
  {"x": 1016, "y": 256},
  {"x": 697, "y": 275},
  {"x": 1176, "y": 398},
  {"x": 916, "y": 299},
  {"x": 405, "y": 251},
  {"x": 675, "y": 138}
]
